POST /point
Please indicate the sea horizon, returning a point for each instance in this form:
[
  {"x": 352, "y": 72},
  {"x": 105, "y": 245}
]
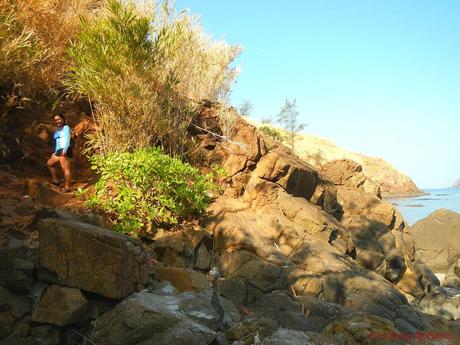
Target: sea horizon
[{"x": 415, "y": 208}]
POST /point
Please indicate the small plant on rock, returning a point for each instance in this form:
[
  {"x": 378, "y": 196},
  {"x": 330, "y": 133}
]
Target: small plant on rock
[{"x": 272, "y": 132}]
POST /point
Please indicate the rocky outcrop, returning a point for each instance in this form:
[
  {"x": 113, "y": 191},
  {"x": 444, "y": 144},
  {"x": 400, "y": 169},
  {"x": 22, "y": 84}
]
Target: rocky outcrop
[
  {"x": 456, "y": 184},
  {"x": 90, "y": 258},
  {"x": 323, "y": 238},
  {"x": 190, "y": 248},
  {"x": 283, "y": 245},
  {"x": 348, "y": 173},
  {"x": 292, "y": 257},
  {"x": 33, "y": 312},
  {"x": 318, "y": 151},
  {"x": 437, "y": 240},
  {"x": 281, "y": 169}
]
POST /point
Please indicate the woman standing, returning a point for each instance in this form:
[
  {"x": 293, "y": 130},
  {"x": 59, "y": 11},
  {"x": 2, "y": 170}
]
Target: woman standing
[{"x": 62, "y": 153}]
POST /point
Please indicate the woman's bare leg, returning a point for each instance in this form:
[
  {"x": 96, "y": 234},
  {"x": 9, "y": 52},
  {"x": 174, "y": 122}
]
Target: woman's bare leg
[
  {"x": 51, "y": 167},
  {"x": 67, "y": 169}
]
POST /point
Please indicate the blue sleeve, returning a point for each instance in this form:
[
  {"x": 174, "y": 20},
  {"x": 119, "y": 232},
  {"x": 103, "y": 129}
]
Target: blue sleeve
[{"x": 66, "y": 138}]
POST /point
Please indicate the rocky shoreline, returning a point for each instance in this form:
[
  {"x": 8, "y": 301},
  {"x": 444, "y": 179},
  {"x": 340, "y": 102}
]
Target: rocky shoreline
[{"x": 288, "y": 254}]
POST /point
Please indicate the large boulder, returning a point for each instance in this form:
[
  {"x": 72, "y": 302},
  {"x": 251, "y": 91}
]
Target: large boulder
[
  {"x": 61, "y": 306},
  {"x": 346, "y": 172},
  {"x": 377, "y": 229},
  {"x": 302, "y": 313},
  {"x": 280, "y": 168},
  {"x": 245, "y": 149},
  {"x": 275, "y": 248},
  {"x": 163, "y": 316},
  {"x": 190, "y": 248},
  {"x": 90, "y": 258},
  {"x": 437, "y": 240}
]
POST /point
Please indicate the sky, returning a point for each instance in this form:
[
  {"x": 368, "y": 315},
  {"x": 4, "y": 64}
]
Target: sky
[{"x": 378, "y": 77}]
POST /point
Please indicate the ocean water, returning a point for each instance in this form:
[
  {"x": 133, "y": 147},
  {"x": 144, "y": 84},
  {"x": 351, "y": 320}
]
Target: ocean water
[{"x": 415, "y": 208}]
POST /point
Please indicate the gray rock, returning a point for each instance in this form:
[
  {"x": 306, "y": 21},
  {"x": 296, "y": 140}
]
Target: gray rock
[
  {"x": 163, "y": 316},
  {"x": 303, "y": 313},
  {"x": 290, "y": 337}
]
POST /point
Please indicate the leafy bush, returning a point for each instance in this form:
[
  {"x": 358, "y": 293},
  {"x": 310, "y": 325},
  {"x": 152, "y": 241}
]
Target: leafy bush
[
  {"x": 146, "y": 188},
  {"x": 272, "y": 132},
  {"x": 141, "y": 68}
]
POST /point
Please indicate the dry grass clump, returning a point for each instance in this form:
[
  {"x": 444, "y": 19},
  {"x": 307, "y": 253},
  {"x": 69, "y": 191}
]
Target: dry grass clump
[
  {"x": 141, "y": 69},
  {"x": 20, "y": 51},
  {"x": 34, "y": 36},
  {"x": 54, "y": 23}
]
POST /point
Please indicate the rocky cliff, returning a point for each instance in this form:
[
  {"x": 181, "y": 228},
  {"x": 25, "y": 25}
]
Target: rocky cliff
[
  {"x": 287, "y": 255},
  {"x": 392, "y": 181},
  {"x": 318, "y": 151}
]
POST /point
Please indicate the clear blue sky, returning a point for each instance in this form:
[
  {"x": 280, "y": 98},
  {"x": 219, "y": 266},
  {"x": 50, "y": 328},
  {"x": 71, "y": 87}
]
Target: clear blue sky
[{"x": 378, "y": 77}]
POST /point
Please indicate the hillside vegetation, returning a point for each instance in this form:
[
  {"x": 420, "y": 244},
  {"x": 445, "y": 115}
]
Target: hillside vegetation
[{"x": 140, "y": 70}]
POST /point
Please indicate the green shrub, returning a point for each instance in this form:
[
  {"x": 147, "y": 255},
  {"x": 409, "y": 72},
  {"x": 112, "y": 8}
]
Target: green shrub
[
  {"x": 272, "y": 132},
  {"x": 146, "y": 188}
]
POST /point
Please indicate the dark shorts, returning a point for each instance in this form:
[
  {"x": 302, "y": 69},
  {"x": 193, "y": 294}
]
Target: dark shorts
[{"x": 69, "y": 152}]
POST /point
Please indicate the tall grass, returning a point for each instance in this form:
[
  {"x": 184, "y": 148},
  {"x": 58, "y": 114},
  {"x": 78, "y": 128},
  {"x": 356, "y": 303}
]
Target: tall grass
[
  {"x": 34, "y": 35},
  {"x": 140, "y": 69},
  {"x": 20, "y": 51}
]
